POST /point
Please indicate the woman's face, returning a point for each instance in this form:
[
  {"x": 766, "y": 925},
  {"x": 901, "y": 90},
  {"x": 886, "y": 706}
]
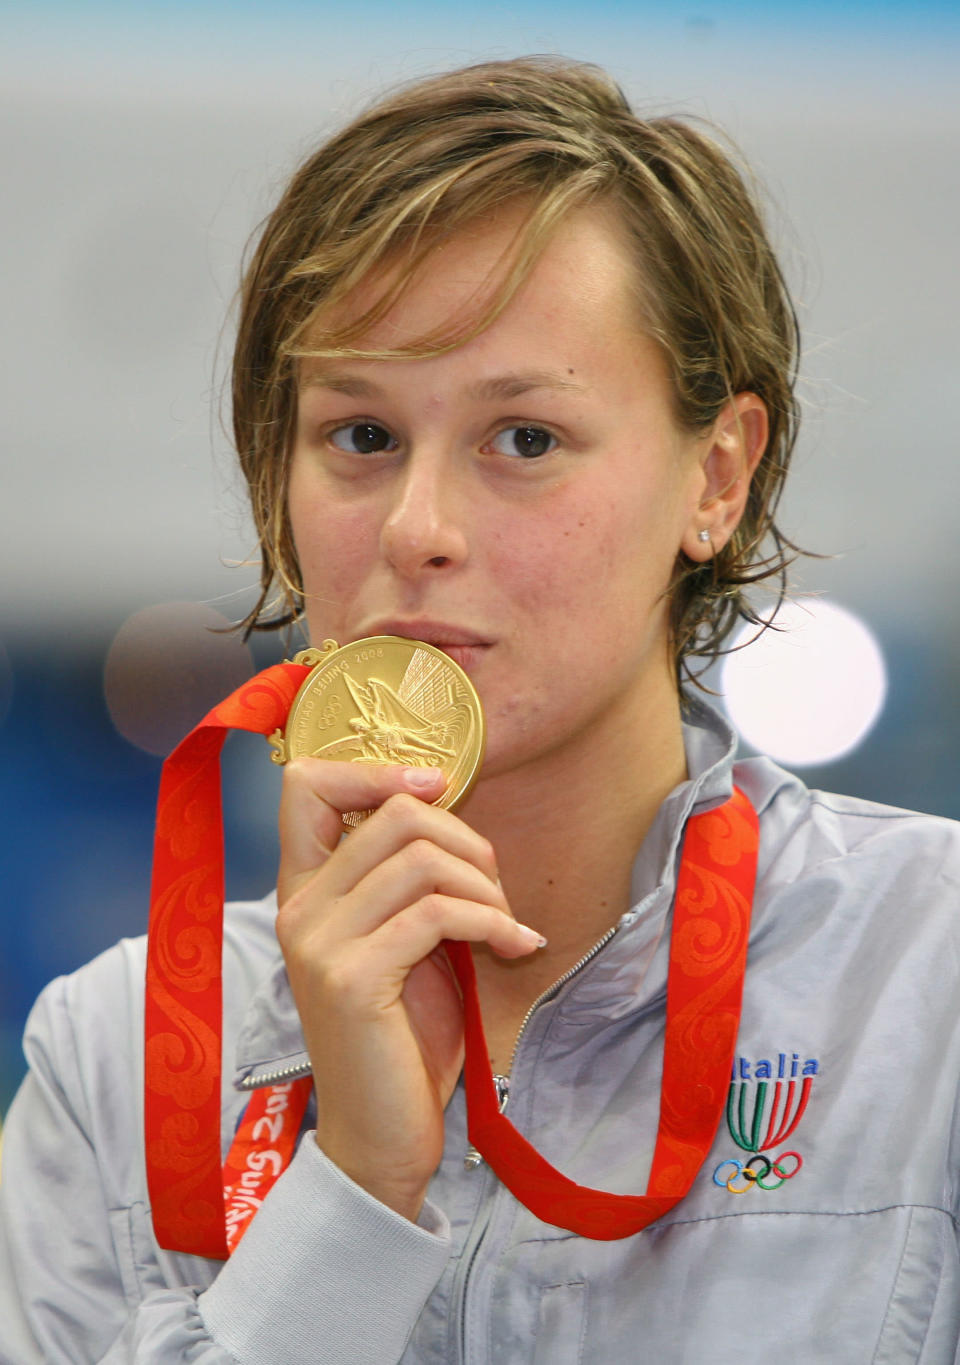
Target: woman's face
[{"x": 519, "y": 501}]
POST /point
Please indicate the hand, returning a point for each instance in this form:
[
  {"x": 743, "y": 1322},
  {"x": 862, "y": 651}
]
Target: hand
[{"x": 360, "y": 924}]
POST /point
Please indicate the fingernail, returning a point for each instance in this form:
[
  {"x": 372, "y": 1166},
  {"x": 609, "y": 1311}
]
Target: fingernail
[
  {"x": 532, "y": 936},
  {"x": 421, "y": 777}
]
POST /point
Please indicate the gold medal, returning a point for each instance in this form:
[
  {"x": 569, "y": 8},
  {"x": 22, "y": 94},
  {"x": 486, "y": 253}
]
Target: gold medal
[{"x": 387, "y": 700}]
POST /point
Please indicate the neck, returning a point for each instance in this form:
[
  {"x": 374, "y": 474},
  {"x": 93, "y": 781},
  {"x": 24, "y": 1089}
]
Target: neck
[
  {"x": 567, "y": 827},
  {"x": 566, "y": 830}
]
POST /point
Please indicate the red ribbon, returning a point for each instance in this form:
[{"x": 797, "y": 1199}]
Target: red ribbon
[
  {"x": 261, "y": 1151},
  {"x": 184, "y": 1017},
  {"x": 183, "y": 1023}
]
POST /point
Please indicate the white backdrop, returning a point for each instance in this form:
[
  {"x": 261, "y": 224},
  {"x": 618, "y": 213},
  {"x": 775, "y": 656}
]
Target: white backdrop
[{"x": 141, "y": 145}]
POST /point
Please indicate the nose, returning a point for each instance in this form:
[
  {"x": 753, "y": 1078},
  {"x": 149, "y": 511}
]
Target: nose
[{"x": 423, "y": 530}]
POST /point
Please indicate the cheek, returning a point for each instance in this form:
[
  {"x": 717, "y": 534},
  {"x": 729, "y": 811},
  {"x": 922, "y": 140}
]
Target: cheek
[
  {"x": 578, "y": 554},
  {"x": 332, "y": 540}
]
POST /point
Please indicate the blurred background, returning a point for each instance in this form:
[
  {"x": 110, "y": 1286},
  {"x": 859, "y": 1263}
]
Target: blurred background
[{"x": 142, "y": 144}]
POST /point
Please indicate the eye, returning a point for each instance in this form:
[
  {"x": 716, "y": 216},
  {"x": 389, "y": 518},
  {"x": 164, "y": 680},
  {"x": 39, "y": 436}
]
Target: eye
[
  {"x": 527, "y": 442},
  {"x": 362, "y": 438}
]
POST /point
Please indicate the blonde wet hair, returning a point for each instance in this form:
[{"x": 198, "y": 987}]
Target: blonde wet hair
[{"x": 551, "y": 135}]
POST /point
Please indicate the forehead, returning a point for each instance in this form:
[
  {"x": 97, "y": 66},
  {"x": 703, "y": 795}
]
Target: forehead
[{"x": 585, "y": 274}]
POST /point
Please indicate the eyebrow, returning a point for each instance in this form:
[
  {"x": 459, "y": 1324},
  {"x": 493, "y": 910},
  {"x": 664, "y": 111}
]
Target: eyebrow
[{"x": 484, "y": 390}]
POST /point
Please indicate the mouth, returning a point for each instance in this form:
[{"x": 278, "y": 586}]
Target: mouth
[{"x": 466, "y": 647}]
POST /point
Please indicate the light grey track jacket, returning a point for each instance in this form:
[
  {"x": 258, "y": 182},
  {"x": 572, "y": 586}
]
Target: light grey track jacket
[{"x": 852, "y": 985}]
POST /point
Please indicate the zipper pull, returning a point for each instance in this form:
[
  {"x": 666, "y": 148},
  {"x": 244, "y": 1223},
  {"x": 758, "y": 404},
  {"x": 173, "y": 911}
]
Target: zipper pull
[{"x": 473, "y": 1159}]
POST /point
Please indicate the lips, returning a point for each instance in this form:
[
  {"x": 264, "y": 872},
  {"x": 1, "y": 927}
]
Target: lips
[{"x": 462, "y": 645}]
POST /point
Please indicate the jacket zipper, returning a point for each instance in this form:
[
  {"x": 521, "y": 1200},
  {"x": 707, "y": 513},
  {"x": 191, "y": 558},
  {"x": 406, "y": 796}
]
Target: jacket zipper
[
  {"x": 473, "y": 1159},
  {"x": 284, "y": 1073}
]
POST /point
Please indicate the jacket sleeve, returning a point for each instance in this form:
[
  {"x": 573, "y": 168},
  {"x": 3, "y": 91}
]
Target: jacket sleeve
[{"x": 324, "y": 1274}]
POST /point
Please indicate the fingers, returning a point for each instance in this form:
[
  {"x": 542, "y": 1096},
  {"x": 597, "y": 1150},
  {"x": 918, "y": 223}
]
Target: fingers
[
  {"x": 395, "y": 948},
  {"x": 409, "y": 937},
  {"x": 401, "y": 821},
  {"x": 416, "y": 870},
  {"x": 317, "y": 793}
]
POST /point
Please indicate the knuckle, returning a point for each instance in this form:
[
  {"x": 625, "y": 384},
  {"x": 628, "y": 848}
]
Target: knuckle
[
  {"x": 295, "y": 773},
  {"x": 285, "y": 926},
  {"x": 295, "y": 925},
  {"x": 291, "y": 906},
  {"x": 420, "y": 853},
  {"x": 338, "y": 977},
  {"x": 432, "y": 908},
  {"x": 307, "y": 767},
  {"x": 304, "y": 778},
  {"x": 402, "y": 810}
]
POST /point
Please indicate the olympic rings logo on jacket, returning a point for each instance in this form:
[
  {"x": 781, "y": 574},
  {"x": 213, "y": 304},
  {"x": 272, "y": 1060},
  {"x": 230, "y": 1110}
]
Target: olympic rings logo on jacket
[{"x": 751, "y": 1174}]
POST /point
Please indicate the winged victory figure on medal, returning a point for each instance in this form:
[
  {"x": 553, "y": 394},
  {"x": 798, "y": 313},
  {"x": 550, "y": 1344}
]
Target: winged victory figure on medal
[{"x": 420, "y": 723}]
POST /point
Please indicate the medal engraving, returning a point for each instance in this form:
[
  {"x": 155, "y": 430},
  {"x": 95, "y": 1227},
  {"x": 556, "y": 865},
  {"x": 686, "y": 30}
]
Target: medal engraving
[{"x": 387, "y": 700}]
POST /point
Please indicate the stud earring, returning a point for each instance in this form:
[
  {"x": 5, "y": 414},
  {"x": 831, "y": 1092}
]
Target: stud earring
[{"x": 703, "y": 535}]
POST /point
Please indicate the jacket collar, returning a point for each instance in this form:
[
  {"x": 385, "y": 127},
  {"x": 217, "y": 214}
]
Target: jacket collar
[{"x": 270, "y": 1038}]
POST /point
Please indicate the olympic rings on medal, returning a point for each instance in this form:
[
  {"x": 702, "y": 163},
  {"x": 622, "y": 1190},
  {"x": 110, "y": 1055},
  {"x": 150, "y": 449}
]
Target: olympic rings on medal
[{"x": 752, "y": 1174}]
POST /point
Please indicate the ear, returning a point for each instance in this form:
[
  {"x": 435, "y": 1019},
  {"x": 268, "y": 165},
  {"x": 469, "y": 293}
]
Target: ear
[{"x": 731, "y": 453}]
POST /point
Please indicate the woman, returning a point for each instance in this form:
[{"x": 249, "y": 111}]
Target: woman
[{"x": 514, "y": 377}]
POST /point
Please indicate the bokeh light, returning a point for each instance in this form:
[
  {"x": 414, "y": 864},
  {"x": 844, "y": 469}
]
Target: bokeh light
[
  {"x": 167, "y": 666},
  {"x": 808, "y": 690}
]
